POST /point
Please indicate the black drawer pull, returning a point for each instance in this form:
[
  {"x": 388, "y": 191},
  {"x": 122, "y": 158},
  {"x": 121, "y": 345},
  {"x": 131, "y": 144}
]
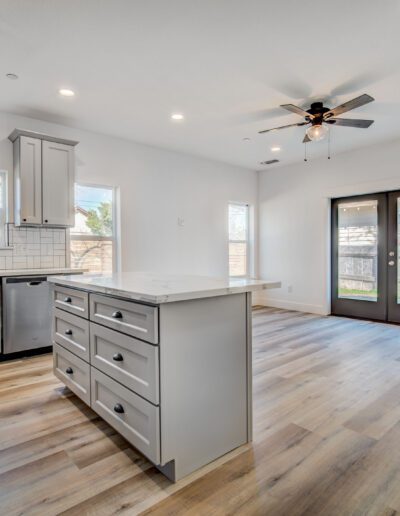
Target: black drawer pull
[
  {"x": 68, "y": 332},
  {"x": 67, "y": 300},
  {"x": 117, "y": 315},
  {"x": 69, "y": 370},
  {"x": 118, "y": 357},
  {"x": 118, "y": 408}
]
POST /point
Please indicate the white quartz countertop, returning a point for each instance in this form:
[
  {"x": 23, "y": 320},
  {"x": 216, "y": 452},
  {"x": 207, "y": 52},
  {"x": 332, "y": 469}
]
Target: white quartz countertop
[
  {"x": 39, "y": 272},
  {"x": 162, "y": 288}
]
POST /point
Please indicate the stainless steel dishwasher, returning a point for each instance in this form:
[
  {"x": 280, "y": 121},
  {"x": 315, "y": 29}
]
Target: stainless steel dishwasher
[{"x": 26, "y": 313}]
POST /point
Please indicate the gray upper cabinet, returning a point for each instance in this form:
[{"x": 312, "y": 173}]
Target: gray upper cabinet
[
  {"x": 28, "y": 180},
  {"x": 58, "y": 183},
  {"x": 44, "y": 170}
]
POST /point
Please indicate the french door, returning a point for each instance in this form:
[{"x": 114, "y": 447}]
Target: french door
[{"x": 365, "y": 256}]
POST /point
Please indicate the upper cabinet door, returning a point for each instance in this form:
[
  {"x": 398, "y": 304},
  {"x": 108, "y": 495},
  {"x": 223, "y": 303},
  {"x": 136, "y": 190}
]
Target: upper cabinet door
[
  {"x": 58, "y": 184},
  {"x": 28, "y": 180}
]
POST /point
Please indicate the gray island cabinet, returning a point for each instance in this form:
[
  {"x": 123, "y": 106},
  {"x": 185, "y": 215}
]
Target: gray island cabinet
[{"x": 165, "y": 360}]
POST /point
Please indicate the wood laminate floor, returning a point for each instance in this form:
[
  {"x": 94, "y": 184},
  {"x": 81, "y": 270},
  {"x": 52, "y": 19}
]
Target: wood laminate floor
[{"x": 326, "y": 435}]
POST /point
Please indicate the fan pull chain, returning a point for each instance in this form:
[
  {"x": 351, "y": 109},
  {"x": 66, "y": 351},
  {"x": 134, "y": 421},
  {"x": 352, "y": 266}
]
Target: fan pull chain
[
  {"x": 305, "y": 151},
  {"x": 329, "y": 144}
]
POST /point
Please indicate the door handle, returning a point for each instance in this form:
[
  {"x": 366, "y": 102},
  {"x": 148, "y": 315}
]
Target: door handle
[
  {"x": 68, "y": 332},
  {"x": 69, "y": 370},
  {"x": 118, "y": 357},
  {"x": 67, "y": 300},
  {"x": 117, "y": 315}
]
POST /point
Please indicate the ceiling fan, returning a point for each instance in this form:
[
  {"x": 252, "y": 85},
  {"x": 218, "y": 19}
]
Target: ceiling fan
[{"x": 318, "y": 115}]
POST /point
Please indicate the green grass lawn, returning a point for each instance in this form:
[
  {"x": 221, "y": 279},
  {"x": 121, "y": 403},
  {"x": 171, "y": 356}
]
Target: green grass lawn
[{"x": 352, "y": 292}]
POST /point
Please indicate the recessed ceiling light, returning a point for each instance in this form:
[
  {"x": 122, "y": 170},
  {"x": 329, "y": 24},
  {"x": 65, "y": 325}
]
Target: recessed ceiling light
[
  {"x": 246, "y": 139},
  {"x": 275, "y": 148},
  {"x": 177, "y": 116},
  {"x": 12, "y": 76},
  {"x": 65, "y": 92}
]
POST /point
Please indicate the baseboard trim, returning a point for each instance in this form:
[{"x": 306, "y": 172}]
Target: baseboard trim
[{"x": 289, "y": 305}]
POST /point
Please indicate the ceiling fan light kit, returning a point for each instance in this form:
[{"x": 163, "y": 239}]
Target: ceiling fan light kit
[
  {"x": 319, "y": 117},
  {"x": 317, "y": 132}
]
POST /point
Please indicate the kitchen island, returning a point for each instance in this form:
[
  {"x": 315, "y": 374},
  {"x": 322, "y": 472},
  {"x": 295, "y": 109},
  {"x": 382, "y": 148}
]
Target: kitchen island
[{"x": 165, "y": 360}]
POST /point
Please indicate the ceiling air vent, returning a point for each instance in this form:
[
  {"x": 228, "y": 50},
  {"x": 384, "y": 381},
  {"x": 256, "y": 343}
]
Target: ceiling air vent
[{"x": 269, "y": 162}]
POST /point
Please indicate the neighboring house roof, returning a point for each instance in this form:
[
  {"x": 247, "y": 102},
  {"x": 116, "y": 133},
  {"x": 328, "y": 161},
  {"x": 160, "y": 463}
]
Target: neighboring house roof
[{"x": 78, "y": 209}]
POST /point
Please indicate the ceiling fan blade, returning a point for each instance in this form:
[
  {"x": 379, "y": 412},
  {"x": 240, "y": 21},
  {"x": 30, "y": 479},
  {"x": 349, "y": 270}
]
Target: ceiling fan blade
[
  {"x": 296, "y": 109},
  {"x": 306, "y": 139},
  {"x": 351, "y": 122},
  {"x": 282, "y": 127},
  {"x": 348, "y": 106}
]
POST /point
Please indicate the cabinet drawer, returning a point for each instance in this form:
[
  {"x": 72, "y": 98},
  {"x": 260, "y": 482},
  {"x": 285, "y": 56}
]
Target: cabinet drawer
[
  {"x": 129, "y": 361},
  {"x": 133, "y": 417},
  {"x": 126, "y": 316},
  {"x": 72, "y": 333},
  {"x": 71, "y": 300},
  {"x": 72, "y": 371}
]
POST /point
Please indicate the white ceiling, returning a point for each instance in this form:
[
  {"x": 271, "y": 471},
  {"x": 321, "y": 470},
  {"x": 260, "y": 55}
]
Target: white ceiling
[{"x": 226, "y": 64}]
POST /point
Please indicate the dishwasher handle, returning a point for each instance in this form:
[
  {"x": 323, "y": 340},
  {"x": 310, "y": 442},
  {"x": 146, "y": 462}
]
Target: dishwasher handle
[{"x": 28, "y": 280}]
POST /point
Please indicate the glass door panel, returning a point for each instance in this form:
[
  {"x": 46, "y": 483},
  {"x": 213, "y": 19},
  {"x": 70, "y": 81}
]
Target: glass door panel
[
  {"x": 359, "y": 228},
  {"x": 358, "y": 250}
]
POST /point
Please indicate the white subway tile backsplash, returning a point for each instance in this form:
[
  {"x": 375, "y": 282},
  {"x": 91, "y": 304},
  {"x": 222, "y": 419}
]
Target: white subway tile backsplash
[
  {"x": 20, "y": 237},
  {"x": 46, "y": 240},
  {"x": 46, "y": 262},
  {"x": 46, "y": 249},
  {"x": 19, "y": 250},
  {"x": 20, "y": 262},
  {"x": 59, "y": 237},
  {"x": 32, "y": 236},
  {"x": 34, "y": 248}
]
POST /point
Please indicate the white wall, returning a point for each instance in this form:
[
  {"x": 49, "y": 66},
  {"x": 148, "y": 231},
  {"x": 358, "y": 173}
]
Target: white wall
[
  {"x": 156, "y": 187},
  {"x": 294, "y": 208}
]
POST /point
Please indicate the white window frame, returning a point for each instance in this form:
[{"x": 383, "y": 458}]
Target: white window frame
[
  {"x": 114, "y": 239},
  {"x": 4, "y": 210},
  {"x": 246, "y": 241}
]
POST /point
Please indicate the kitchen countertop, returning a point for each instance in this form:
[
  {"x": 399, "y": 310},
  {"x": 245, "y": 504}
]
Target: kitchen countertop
[
  {"x": 162, "y": 288},
  {"x": 39, "y": 272}
]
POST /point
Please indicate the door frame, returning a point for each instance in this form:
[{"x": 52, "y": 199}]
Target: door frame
[
  {"x": 353, "y": 307},
  {"x": 393, "y": 314}
]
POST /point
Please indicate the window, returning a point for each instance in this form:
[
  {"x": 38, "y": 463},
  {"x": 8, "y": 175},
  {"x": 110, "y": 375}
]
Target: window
[
  {"x": 92, "y": 240},
  {"x": 3, "y": 207},
  {"x": 238, "y": 239}
]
